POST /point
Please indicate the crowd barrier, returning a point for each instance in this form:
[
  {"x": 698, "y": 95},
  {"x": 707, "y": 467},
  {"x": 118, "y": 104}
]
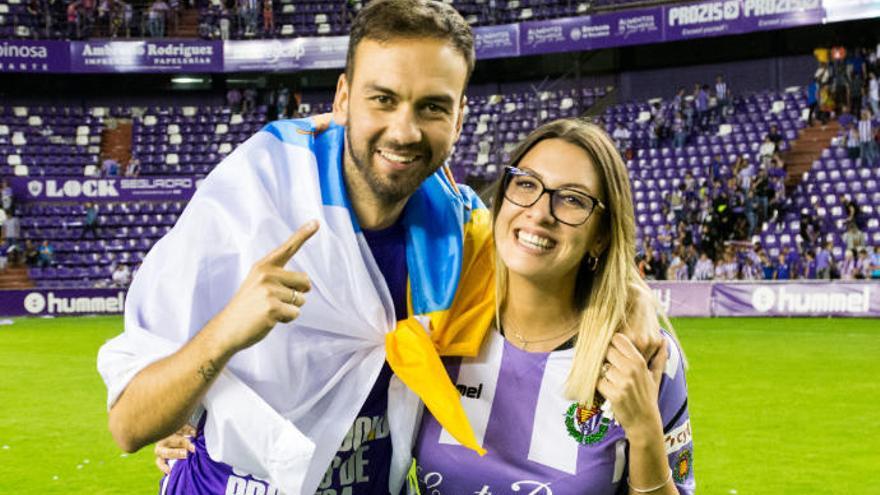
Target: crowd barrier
[
  {"x": 696, "y": 299},
  {"x": 780, "y": 298}
]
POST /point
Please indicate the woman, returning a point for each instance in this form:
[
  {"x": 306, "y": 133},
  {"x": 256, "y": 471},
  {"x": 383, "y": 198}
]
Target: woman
[
  {"x": 563, "y": 402},
  {"x": 566, "y": 280}
]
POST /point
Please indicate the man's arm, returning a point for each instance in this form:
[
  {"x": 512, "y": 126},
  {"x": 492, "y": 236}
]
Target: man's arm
[{"x": 161, "y": 397}]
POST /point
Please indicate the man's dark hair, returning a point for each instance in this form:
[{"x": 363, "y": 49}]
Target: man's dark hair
[{"x": 386, "y": 20}]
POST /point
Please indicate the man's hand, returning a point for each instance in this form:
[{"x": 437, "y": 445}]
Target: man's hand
[
  {"x": 174, "y": 447},
  {"x": 269, "y": 295}
]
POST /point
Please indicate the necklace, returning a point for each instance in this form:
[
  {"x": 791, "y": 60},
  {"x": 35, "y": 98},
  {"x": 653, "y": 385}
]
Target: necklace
[{"x": 524, "y": 342}]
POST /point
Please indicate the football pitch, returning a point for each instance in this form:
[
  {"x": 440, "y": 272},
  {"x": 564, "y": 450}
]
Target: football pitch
[{"x": 777, "y": 406}]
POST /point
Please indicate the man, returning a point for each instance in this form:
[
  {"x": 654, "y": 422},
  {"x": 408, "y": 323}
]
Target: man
[
  {"x": 90, "y": 221},
  {"x": 310, "y": 406},
  {"x": 867, "y": 146},
  {"x": 402, "y": 116}
]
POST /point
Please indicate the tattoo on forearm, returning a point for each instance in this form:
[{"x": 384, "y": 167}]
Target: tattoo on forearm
[{"x": 209, "y": 370}]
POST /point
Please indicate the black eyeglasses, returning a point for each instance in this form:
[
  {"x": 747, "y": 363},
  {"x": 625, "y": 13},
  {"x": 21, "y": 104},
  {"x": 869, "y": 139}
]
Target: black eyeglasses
[{"x": 569, "y": 206}]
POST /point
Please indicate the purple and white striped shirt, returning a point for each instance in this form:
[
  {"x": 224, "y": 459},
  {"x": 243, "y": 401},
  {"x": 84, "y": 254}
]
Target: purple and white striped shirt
[{"x": 538, "y": 441}]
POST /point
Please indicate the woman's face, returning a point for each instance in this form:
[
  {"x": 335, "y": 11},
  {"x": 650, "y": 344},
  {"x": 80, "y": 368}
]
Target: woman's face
[{"x": 530, "y": 241}]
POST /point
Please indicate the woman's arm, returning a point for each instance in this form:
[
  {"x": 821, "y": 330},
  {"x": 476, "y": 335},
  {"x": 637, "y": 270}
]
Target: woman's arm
[{"x": 632, "y": 387}]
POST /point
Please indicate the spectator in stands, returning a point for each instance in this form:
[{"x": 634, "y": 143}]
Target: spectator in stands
[
  {"x": 863, "y": 265},
  {"x": 810, "y": 229},
  {"x": 762, "y": 192},
  {"x": 812, "y": 101},
  {"x": 268, "y": 19},
  {"x": 678, "y": 269},
  {"x": 110, "y": 168},
  {"x": 233, "y": 99},
  {"x": 727, "y": 268},
  {"x": 621, "y": 137},
  {"x": 867, "y": 145},
  {"x": 46, "y": 255},
  {"x": 767, "y": 268},
  {"x": 282, "y": 102},
  {"x": 701, "y": 106},
  {"x": 31, "y": 254},
  {"x": 824, "y": 261},
  {"x": 121, "y": 276},
  {"x": 873, "y": 93},
  {"x": 90, "y": 221},
  {"x": 781, "y": 270},
  {"x": 766, "y": 151},
  {"x": 12, "y": 229},
  {"x": 751, "y": 270},
  {"x": 776, "y": 137},
  {"x": 826, "y": 103},
  {"x": 7, "y": 196},
  {"x": 853, "y": 237},
  {"x": 722, "y": 95},
  {"x": 874, "y": 266},
  {"x": 4, "y": 256},
  {"x": 248, "y": 11},
  {"x": 73, "y": 19},
  {"x": 853, "y": 141},
  {"x": 716, "y": 167},
  {"x": 809, "y": 266},
  {"x": 127, "y": 18},
  {"x": 848, "y": 265},
  {"x": 845, "y": 118},
  {"x": 855, "y": 71},
  {"x": 679, "y": 130},
  {"x": 133, "y": 169},
  {"x": 647, "y": 264},
  {"x": 704, "y": 269},
  {"x": 676, "y": 204},
  {"x": 249, "y": 100},
  {"x": 173, "y": 15},
  {"x": 157, "y": 14}
]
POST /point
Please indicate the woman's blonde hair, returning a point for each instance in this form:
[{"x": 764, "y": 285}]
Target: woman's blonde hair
[{"x": 603, "y": 296}]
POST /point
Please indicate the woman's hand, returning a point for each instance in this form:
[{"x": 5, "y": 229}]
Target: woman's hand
[
  {"x": 175, "y": 446},
  {"x": 632, "y": 386}
]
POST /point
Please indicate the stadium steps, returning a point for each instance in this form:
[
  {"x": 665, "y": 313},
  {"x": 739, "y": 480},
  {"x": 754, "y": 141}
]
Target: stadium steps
[
  {"x": 15, "y": 278},
  {"x": 599, "y": 106},
  {"x": 116, "y": 140},
  {"x": 806, "y": 149},
  {"x": 187, "y": 25}
]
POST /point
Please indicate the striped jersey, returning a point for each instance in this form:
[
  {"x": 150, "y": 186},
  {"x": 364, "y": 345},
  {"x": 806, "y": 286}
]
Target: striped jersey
[{"x": 538, "y": 442}]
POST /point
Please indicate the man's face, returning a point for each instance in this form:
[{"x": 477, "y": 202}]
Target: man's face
[{"x": 403, "y": 111}]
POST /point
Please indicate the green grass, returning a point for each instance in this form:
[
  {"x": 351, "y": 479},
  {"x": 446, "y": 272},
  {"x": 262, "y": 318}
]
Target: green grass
[{"x": 778, "y": 406}]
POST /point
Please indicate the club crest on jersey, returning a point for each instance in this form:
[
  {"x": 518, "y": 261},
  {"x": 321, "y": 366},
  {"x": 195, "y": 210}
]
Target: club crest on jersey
[
  {"x": 683, "y": 466},
  {"x": 586, "y": 424}
]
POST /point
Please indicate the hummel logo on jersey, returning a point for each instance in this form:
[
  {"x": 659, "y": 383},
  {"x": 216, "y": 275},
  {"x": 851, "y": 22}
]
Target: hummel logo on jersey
[{"x": 470, "y": 392}]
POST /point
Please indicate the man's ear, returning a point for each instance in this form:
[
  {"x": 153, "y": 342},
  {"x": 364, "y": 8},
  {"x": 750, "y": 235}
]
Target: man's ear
[
  {"x": 340, "y": 100},
  {"x": 459, "y": 122}
]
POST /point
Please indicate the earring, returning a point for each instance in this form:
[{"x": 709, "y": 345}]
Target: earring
[{"x": 592, "y": 262}]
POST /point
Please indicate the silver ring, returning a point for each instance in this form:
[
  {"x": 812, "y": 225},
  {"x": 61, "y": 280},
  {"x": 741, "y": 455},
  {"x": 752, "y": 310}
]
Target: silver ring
[
  {"x": 294, "y": 297},
  {"x": 603, "y": 373}
]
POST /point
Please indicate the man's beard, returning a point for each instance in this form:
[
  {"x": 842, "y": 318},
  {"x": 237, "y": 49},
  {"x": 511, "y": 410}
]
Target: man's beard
[{"x": 399, "y": 186}]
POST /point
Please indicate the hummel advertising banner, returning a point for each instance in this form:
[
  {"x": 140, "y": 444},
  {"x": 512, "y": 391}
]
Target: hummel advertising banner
[
  {"x": 147, "y": 188},
  {"x": 695, "y": 299},
  {"x": 61, "y": 302},
  {"x": 797, "y": 299}
]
